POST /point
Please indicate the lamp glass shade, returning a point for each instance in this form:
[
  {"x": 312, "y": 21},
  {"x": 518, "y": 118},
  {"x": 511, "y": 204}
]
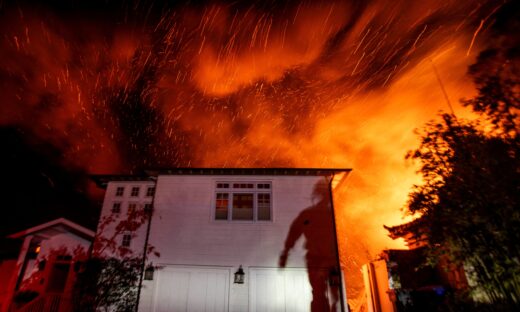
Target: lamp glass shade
[{"x": 148, "y": 273}]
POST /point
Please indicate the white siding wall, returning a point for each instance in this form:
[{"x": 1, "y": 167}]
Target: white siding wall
[
  {"x": 69, "y": 243},
  {"x": 137, "y": 242},
  {"x": 184, "y": 232}
]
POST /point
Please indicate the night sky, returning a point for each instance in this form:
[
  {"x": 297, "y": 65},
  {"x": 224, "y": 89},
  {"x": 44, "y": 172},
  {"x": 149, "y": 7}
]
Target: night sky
[{"x": 98, "y": 87}]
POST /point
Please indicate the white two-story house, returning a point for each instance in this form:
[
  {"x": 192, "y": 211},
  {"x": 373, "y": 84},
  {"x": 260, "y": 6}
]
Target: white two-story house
[{"x": 232, "y": 239}]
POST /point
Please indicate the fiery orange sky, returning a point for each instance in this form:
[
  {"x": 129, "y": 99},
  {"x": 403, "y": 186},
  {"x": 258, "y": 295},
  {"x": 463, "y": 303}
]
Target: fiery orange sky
[{"x": 265, "y": 84}]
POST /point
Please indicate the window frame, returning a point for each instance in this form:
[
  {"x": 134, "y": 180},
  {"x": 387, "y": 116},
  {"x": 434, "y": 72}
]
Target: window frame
[
  {"x": 230, "y": 190},
  {"x": 150, "y": 191},
  {"x": 130, "y": 209},
  {"x": 138, "y": 191},
  {"x": 117, "y": 204},
  {"x": 120, "y": 188},
  {"x": 126, "y": 240},
  {"x": 148, "y": 206}
]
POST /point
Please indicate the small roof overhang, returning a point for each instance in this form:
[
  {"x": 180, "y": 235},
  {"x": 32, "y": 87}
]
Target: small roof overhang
[{"x": 55, "y": 227}]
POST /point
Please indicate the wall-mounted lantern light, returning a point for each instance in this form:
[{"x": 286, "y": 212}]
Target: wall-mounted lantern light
[
  {"x": 148, "y": 273},
  {"x": 239, "y": 276}
]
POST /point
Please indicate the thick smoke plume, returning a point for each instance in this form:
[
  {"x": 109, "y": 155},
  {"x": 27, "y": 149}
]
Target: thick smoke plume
[{"x": 306, "y": 84}]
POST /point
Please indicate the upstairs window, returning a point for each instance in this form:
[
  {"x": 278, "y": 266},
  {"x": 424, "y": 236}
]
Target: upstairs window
[
  {"x": 116, "y": 208},
  {"x": 148, "y": 207},
  {"x": 150, "y": 191},
  {"x": 132, "y": 207},
  {"x": 120, "y": 190},
  {"x": 135, "y": 191},
  {"x": 264, "y": 206},
  {"x": 243, "y": 201},
  {"x": 127, "y": 239},
  {"x": 221, "y": 206},
  {"x": 242, "y": 206}
]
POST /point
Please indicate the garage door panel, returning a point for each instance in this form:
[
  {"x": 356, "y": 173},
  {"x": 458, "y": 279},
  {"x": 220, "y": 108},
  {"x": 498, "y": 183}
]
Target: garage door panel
[
  {"x": 172, "y": 296},
  {"x": 276, "y": 290},
  {"x": 298, "y": 291},
  {"x": 187, "y": 289}
]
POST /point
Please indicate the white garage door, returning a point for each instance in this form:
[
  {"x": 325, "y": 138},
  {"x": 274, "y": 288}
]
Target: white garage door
[
  {"x": 279, "y": 290},
  {"x": 191, "y": 289}
]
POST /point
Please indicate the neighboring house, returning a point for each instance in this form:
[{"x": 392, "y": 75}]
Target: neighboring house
[
  {"x": 400, "y": 281},
  {"x": 39, "y": 275},
  {"x": 231, "y": 239}
]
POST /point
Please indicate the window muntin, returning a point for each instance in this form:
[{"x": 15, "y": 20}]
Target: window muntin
[
  {"x": 243, "y": 201},
  {"x": 135, "y": 191},
  {"x": 150, "y": 191},
  {"x": 116, "y": 207},
  {"x": 120, "y": 191}
]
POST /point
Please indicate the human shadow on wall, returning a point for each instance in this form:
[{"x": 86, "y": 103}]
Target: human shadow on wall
[{"x": 316, "y": 225}]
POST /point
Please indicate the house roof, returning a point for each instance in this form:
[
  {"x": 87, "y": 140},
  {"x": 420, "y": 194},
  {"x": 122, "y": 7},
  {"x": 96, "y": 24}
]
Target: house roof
[
  {"x": 55, "y": 227},
  {"x": 151, "y": 174},
  {"x": 405, "y": 229}
]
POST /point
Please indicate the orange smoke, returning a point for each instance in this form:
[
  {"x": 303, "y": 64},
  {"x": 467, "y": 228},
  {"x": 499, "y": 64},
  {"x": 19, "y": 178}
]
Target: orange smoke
[{"x": 327, "y": 84}]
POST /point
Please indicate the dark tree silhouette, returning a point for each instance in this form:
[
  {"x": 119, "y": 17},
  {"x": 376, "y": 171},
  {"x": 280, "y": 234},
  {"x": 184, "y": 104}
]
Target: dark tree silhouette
[
  {"x": 469, "y": 201},
  {"x": 109, "y": 279}
]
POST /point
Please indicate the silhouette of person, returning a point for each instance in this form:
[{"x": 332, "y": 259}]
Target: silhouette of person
[{"x": 316, "y": 225}]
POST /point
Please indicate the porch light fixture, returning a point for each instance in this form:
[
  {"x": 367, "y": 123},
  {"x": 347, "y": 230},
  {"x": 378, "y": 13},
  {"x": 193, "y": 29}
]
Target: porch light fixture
[
  {"x": 239, "y": 276},
  {"x": 148, "y": 273}
]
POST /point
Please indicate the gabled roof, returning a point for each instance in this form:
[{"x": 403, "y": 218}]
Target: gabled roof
[
  {"x": 405, "y": 229},
  {"x": 151, "y": 175},
  {"x": 56, "y": 227}
]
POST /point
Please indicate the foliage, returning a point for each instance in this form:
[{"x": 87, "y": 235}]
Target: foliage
[
  {"x": 470, "y": 197},
  {"x": 110, "y": 279},
  {"x": 109, "y": 283}
]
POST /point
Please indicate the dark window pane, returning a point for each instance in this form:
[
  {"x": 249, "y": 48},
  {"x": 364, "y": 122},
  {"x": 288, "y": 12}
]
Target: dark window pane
[
  {"x": 126, "y": 240},
  {"x": 242, "y": 206},
  {"x": 135, "y": 191},
  {"x": 116, "y": 208},
  {"x": 120, "y": 190},
  {"x": 221, "y": 206}
]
